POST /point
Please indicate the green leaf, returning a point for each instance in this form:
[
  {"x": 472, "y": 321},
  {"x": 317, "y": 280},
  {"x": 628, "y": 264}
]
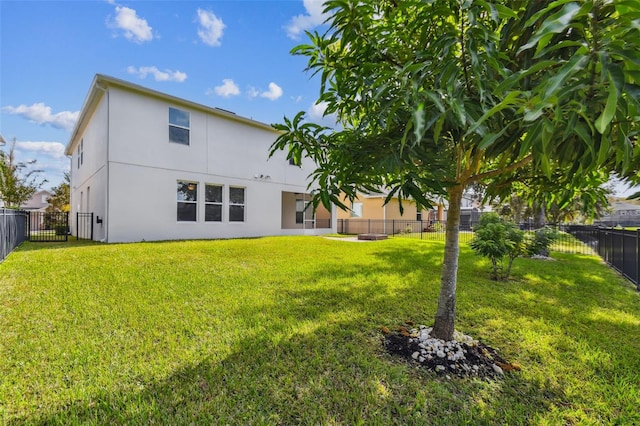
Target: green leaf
[
  {"x": 555, "y": 23},
  {"x": 490, "y": 138},
  {"x": 512, "y": 98},
  {"x": 603, "y": 152},
  {"x": 609, "y": 110},
  {"x": 505, "y": 12},
  {"x": 516, "y": 77},
  {"x": 575, "y": 64},
  {"x": 419, "y": 122},
  {"x": 438, "y": 128}
]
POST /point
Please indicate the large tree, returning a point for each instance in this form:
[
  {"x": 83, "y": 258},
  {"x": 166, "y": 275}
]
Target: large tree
[
  {"x": 434, "y": 96},
  {"x": 18, "y": 180}
]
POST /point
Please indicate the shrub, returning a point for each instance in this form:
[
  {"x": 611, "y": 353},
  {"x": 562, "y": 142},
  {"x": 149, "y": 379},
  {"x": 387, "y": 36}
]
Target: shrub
[
  {"x": 496, "y": 239},
  {"x": 542, "y": 239},
  {"x": 61, "y": 229}
]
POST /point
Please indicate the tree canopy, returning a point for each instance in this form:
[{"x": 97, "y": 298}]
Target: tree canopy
[
  {"x": 434, "y": 96},
  {"x": 60, "y": 196},
  {"x": 18, "y": 181}
]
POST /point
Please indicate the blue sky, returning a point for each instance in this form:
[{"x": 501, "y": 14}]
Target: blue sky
[{"x": 228, "y": 54}]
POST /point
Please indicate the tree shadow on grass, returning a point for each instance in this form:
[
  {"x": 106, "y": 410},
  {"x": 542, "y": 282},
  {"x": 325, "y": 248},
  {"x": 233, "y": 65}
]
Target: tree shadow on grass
[
  {"x": 581, "y": 309},
  {"x": 327, "y": 376}
]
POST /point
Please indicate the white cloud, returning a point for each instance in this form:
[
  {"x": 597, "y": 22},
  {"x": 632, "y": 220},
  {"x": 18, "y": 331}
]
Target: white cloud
[
  {"x": 316, "y": 114},
  {"x": 273, "y": 93},
  {"x": 135, "y": 28},
  {"x": 166, "y": 75},
  {"x": 301, "y": 23},
  {"x": 316, "y": 111},
  {"x": 228, "y": 88},
  {"x": 210, "y": 28},
  {"x": 41, "y": 114},
  {"x": 54, "y": 150},
  {"x": 252, "y": 92},
  {"x": 49, "y": 157}
]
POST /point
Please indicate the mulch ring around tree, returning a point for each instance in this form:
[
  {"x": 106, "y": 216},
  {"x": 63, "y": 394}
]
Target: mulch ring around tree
[{"x": 462, "y": 357}]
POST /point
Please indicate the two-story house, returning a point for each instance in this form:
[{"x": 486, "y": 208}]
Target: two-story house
[{"x": 151, "y": 166}]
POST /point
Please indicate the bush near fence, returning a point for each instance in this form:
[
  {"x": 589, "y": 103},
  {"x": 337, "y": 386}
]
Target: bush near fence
[{"x": 620, "y": 248}]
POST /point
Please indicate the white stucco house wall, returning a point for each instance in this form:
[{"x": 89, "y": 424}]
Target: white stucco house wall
[{"x": 151, "y": 166}]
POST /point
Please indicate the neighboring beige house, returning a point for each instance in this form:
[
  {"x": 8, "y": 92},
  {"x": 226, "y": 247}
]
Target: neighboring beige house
[
  {"x": 38, "y": 202},
  {"x": 371, "y": 206}
]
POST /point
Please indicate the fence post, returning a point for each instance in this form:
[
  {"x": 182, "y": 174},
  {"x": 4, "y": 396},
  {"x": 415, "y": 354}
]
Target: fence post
[
  {"x": 622, "y": 234},
  {"x": 638, "y": 259}
]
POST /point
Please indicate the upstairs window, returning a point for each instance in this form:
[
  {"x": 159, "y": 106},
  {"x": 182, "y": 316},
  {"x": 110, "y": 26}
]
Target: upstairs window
[
  {"x": 236, "y": 204},
  {"x": 187, "y": 197},
  {"x": 80, "y": 152},
  {"x": 178, "y": 126},
  {"x": 213, "y": 203}
]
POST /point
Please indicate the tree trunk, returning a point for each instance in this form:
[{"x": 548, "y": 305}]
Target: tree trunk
[
  {"x": 446, "y": 314},
  {"x": 538, "y": 215}
]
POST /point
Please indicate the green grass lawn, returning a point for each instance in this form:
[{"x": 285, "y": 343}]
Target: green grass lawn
[{"x": 285, "y": 330}]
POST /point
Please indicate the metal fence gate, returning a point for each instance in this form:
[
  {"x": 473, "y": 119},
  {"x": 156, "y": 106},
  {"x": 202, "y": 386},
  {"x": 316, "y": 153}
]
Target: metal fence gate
[
  {"x": 84, "y": 226},
  {"x": 48, "y": 226}
]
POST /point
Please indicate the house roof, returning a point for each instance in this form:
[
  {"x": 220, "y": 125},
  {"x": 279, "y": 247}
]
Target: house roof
[
  {"x": 101, "y": 83},
  {"x": 35, "y": 202},
  {"x": 617, "y": 206}
]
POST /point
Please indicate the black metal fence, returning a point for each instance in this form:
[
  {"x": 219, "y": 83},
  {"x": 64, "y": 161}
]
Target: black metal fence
[
  {"x": 421, "y": 229},
  {"x": 48, "y": 226},
  {"x": 620, "y": 248},
  {"x": 84, "y": 226},
  {"x": 13, "y": 230}
]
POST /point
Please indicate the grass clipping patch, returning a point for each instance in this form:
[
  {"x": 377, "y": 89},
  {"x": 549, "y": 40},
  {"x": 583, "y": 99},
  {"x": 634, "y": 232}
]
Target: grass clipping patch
[{"x": 463, "y": 356}]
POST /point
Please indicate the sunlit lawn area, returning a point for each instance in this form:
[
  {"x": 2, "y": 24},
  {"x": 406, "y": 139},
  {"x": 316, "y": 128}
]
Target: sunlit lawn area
[{"x": 285, "y": 330}]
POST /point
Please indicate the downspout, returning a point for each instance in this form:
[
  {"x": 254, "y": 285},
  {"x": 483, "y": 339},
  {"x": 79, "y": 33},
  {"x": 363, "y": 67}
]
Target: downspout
[
  {"x": 384, "y": 218},
  {"x": 105, "y": 237}
]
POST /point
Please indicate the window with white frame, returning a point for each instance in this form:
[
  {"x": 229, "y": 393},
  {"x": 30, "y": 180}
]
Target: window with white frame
[
  {"x": 213, "y": 203},
  {"x": 178, "y": 126},
  {"x": 356, "y": 209},
  {"x": 187, "y": 198},
  {"x": 300, "y": 206},
  {"x": 80, "y": 153},
  {"x": 236, "y": 204}
]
